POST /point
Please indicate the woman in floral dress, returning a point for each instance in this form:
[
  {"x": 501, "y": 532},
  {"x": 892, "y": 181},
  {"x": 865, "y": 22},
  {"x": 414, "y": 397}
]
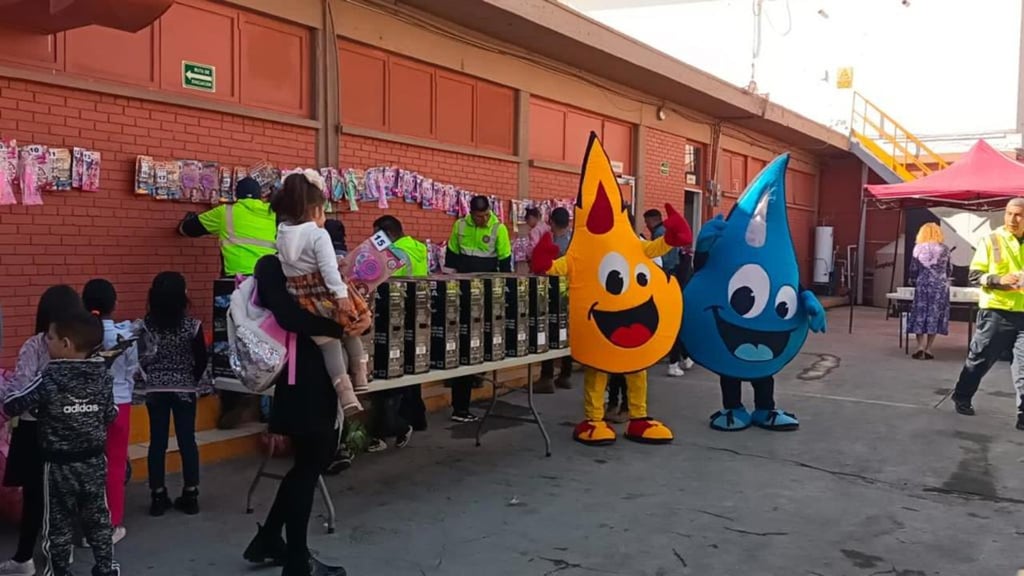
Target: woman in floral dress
[{"x": 929, "y": 274}]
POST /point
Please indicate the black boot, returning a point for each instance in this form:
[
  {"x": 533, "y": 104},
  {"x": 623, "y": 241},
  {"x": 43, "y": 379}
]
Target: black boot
[
  {"x": 266, "y": 547},
  {"x": 312, "y": 567},
  {"x": 188, "y": 502},
  {"x": 159, "y": 502}
]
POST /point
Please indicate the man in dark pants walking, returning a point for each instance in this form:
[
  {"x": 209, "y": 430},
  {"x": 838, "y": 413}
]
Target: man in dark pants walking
[{"x": 998, "y": 268}]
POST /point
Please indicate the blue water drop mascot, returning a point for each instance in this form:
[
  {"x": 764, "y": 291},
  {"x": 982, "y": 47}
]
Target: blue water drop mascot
[{"x": 746, "y": 315}]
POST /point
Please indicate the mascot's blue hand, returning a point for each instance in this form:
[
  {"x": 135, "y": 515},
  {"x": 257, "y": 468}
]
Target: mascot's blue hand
[
  {"x": 709, "y": 233},
  {"x": 815, "y": 311}
]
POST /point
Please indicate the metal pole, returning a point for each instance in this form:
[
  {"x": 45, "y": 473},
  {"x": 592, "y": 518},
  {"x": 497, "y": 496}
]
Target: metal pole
[
  {"x": 896, "y": 250},
  {"x": 861, "y": 239}
]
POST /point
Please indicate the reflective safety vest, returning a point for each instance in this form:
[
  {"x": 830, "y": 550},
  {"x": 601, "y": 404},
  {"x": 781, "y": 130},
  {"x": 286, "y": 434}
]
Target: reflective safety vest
[
  {"x": 247, "y": 231},
  {"x": 472, "y": 243},
  {"x": 414, "y": 254},
  {"x": 999, "y": 254}
]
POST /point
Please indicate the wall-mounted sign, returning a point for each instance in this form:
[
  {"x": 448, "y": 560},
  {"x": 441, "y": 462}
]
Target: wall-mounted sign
[
  {"x": 617, "y": 167},
  {"x": 691, "y": 178},
  {"x": 198, "y": 76},
  {"x": 844, "y": 78},
  {"x": 664, "y": 168}
]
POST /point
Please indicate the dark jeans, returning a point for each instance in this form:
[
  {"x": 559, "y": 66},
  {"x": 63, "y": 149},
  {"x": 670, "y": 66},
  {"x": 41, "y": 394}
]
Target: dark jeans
[
  {"x": 617, "y": 390},
  {"x": 547, "y": 368},
  {"x": 293, "y": 504},
  {"x": 394, "y": 411},
  {"x": 161, "y": 407},
  {"x": 462, "y": 393},
  {"x": 732, "y": 393},
  {"x": 678, "y": 352},
  {"x": 995, "y": 332},
  {"x": 25, "y": 439}
]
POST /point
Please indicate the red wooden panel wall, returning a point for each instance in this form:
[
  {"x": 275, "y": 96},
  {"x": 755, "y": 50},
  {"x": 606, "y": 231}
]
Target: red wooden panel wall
[
  {"x": 386, "y": 92},
  {"x": 258, "y": 62},
  {"x": 559, "y": 133}
]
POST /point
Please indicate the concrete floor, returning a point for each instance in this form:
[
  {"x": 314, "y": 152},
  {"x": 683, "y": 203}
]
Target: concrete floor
[{"x": 882, "y": 478}]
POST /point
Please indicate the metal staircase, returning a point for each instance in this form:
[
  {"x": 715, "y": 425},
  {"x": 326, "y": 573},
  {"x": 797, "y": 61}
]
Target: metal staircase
[{"x": 887, "y": 147}]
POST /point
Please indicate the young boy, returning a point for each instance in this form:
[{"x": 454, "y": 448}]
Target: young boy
[{"x": 73, "y": 401}]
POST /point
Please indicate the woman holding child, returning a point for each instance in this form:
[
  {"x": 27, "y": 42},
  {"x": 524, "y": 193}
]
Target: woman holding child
[{"x": 306, "y": 412}]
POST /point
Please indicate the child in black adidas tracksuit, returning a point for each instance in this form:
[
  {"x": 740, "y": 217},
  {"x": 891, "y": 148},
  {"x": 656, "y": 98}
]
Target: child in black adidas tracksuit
[{"x": 73, "y": 400}]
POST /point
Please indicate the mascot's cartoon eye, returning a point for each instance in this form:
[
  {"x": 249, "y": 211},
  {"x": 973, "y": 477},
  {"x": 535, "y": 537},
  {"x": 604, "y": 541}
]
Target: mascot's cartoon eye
[
  {"x": 785, "y": 302},
  {"x": 643, "y": 274},
  {"x": 613, "y": 273},
  {"x": 748, "y": 290}
]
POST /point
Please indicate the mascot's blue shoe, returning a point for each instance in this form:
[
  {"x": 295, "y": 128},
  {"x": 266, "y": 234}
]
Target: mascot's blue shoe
[
  {"x": 732, "y": 420},
  {"x": 776, "y": 420}
]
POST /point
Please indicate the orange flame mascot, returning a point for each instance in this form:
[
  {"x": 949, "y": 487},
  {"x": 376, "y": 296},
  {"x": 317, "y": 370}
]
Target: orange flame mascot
[{"x": 624, "y": 311}]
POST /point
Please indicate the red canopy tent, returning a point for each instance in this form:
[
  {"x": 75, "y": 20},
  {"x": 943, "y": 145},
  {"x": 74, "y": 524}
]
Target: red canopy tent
[{"x": 983, "y": 179}]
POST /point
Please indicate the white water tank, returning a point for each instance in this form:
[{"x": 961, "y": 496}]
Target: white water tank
[{"x": 823, "y": 253}]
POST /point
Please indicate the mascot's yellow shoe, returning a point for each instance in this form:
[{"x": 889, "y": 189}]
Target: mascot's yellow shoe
[
  {"x": 648, "y": 431},
  {"x": 594, "y": 433}
]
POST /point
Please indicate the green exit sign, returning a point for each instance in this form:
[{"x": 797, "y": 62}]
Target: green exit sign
[{"x": 200, "y": 77}]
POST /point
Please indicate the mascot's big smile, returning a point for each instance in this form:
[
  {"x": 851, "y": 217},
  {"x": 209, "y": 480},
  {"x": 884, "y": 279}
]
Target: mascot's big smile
[
  {"x": 751, "y": 345},
  {"x": 629, "y": 328}
]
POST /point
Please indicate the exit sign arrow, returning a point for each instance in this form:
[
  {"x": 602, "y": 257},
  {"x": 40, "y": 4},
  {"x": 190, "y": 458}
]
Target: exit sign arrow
[{"x": 200, "y": 77}]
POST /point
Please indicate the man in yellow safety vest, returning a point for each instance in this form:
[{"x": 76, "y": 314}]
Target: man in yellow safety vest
[
  {"x": 247, "y": 229},
  {"x": 411, "y": 251},
  {"x": 998, "y": 268}
]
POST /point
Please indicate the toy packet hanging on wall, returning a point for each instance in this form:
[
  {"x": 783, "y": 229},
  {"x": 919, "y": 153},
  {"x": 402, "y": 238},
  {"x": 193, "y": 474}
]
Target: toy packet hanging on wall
[
  {"x": 8, "y": 171},
  {"x": 426, "y": 192},
  {"x": 77, "y": 167},
  {"x": 209, "y": 182},
  {"x": 91, "y": 171},
  {"x": 145, "y": 176},
  {"x": 60, "y": 169},
  {"x": 225, "y": 192},
  {"x": 190, "y": 190},
  {"x": 355, "y": 187},
  {"x": 168, "y": 180},
  {"x": 33, "y": 173}
]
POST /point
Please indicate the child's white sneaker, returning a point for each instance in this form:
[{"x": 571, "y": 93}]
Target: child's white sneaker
[
  {"x": 119, "y": 533},
  {"x": 675, "y": 370},
  {"x": 687, "y": 364},
  {"x": 14, "y": 568}
]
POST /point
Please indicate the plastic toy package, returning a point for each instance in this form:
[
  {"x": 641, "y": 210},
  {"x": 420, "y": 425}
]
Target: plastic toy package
[
  {"x": 168, "y": 180},
  {"x": 370, "y": 264},
  {"x": 33, "y": 173},
  {"x": 60, "y": 169},
  {"x": 77, "y": 167},
  {"x": 91, "y": 171},
  {"x": 145, "y": 176},
  {"x": 425, "y": 186},
  {"x": 190, "y": 189},
  {"x": 208, "y": 183},
  {"x": 225, "y": 190},
  {"x": 355, "y": 187},
  {"x": 8, "y": 171}
]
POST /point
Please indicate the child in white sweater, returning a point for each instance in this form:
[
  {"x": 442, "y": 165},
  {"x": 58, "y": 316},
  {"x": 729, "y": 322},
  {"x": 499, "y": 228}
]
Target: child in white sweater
[{"x": 309, "y": 261}]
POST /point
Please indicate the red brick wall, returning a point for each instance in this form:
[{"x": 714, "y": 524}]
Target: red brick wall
[
  {"x": 113, "y": 234},
  {"x": 477, "y": 174},
  {"x": 553, "y": 184},
  {"x": 660, "y": 189}
]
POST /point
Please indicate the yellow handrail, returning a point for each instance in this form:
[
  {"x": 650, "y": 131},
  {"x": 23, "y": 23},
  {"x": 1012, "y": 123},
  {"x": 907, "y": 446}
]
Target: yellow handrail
[{"x": 873, "y": 128}]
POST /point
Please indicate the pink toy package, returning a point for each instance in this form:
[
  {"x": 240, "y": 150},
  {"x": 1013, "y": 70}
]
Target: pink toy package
[
  {"x": 451, "y": 200},
  {"x": 77, "y": 167},
  {"x": 407, "y": 186},
  {"x": 390, "y": 182},
  {"x": 33, "y": 173},
  {"x": 426, "y": 190},
  {"x": 91, "y": 172},
  {"x": 370, "y": 264},
  {"x": 8, "y": 171},
  {"x": 224, "y": 188},
  {"x": 190, "y": 190}
]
